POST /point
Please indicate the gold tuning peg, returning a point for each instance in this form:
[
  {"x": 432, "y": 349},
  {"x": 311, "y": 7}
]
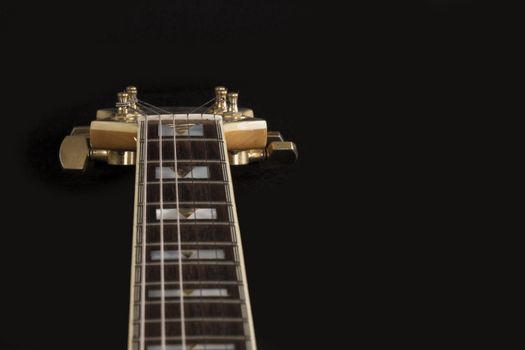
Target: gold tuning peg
[
  {"x": 74, "y": 150},
  {"x": 279, "y": 150},
  {"x": 282, "y": 152},
  {"x": 276, "y": 153}
]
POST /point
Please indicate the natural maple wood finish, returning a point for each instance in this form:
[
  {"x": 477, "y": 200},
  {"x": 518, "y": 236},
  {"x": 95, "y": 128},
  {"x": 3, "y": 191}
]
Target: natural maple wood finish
[
  {"x": 245, "y": 134},
  {"x": 112, "y": 135},
  {"x": 120, "y": 136}
]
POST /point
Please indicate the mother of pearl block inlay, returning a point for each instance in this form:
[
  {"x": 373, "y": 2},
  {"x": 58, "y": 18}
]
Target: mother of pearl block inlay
[
  {"x": 187, "y": 214},
  {"x": 196, "y": 172},
  {"x": 189, "y": 129},
  {"x": 172, "y": 293},
  {"x": 204, "y": 254},
  {"x": 193, "y": 347}
]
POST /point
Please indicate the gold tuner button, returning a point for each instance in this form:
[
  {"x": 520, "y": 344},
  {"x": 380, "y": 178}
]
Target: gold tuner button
[
  {"x": 284, "y": 152},
  {"x": 74, "y": 152}
]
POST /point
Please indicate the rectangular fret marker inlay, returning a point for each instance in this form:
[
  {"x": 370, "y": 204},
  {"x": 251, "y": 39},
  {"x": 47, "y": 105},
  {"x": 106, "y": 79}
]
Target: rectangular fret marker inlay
[
  {"x": 189, "y": 254},
  {"x": 172, "y": 293},
  {"x": 194, "y": 347},
  {"x": 187, "y": 214},
  {"x": 181, "y": 130},
  {"x": 196, "y": 172}
]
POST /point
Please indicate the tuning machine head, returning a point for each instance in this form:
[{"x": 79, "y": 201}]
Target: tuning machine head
[
  {"x": 112, "y": 137},
  {"x": 76, "y": 152}
]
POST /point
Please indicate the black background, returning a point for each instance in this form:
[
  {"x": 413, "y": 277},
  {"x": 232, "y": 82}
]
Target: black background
[{"x": 330, "y": 79}]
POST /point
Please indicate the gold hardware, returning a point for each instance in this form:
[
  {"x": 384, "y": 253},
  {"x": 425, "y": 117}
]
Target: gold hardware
[
  {"x": 121, "y": 158},
  {"x": 99, "y": 154},
  {"x": 282, "y": 152},
  {"x": 232, "y": 102},
  {"x": 246, "y": 157},
  {"x": 74, "y": 152},
  {"x": 132, "y": 95},
  {"x": 112, "y": 137},
  {"x": 122, "y": 106},
  {"x": 220, "y": 105},
  {"x": 233, "y": 113}
]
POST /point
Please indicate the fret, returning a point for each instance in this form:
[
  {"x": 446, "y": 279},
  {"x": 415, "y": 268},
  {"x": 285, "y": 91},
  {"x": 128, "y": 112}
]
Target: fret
[
  {"x": 173, "y": 329},
  {"x": 193, "y": 273},
  {"x": 187, "y": 192},
  {"x": 187, "y": 181},
  {"x": 191, "y": 232},
  {"x": 201, "y": 338},
  {"x": 200, "y": 283},
  {"x": 193, "y": 243},
  {"x": 198, "y": 301},
  {"x": 195, "y": 310},
  {"x": 186, "y": 150},
  {"x": 188, "y": 262}
]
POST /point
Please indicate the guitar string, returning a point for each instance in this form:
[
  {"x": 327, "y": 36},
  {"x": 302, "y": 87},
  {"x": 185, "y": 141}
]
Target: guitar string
[
  {"x": 179, "y": 240},
  {"x": 151, "y": 106},
  {"x": 208, "y": 193},
  {"x": 161, "y": 202}
]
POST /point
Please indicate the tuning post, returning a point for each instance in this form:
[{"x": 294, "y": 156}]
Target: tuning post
[
  {"x": 126, "y": 105},
  {"x": 132, "y": 97},
  {"x": 220, "y": 105},
  {"x": 233, "y": 112},
  {"x": 232, "y": 102}
]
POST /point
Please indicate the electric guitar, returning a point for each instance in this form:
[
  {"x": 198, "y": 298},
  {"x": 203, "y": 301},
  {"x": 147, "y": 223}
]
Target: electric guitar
[{"x": 188, "y": 280}]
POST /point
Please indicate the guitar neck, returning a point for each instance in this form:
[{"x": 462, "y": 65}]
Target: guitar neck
[{"x": 188, "y": 281}]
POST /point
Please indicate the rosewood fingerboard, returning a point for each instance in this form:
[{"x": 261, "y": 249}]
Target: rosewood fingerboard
[{"x": 188, "y": 280}]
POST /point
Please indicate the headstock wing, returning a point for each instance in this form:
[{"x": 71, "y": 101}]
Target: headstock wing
[{"x": 112, "y": 136}]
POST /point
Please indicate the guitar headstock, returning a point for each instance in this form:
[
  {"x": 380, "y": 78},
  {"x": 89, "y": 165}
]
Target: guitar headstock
[{"x": 112, "y": 136}]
